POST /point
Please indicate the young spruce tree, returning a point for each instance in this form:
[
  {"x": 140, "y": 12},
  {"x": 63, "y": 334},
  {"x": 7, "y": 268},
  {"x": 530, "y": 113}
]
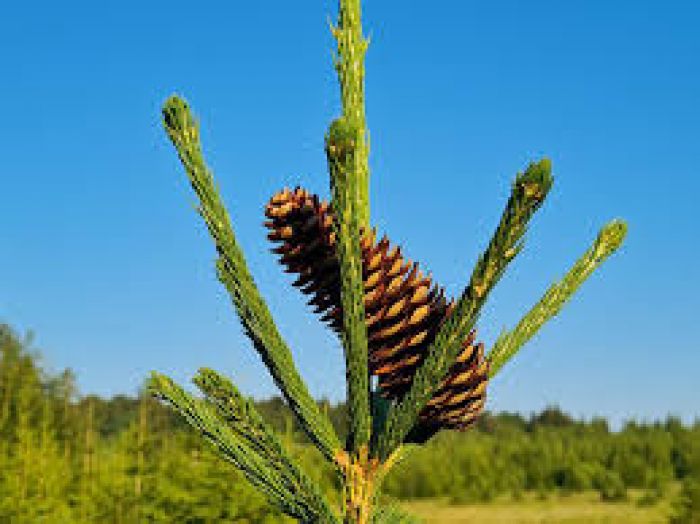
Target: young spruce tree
[{"x": 394, "y": 323}]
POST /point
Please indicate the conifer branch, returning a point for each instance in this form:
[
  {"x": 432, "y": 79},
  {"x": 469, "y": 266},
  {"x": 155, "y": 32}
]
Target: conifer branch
[
  {"x": 230, "y": 424},
  {"x": 350, "y": 66},
  {"x": 509, "y": 343},
  {"x": 233, "y": 272},
  {"x": 340, "y": 150},
  {"x": 347, "y": 150},
  {"x": 242, "y": 417},
  {"x": 527, "y": 195}
]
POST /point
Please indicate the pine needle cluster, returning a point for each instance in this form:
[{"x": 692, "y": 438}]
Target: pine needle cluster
[{"x": 433, "y": 373}]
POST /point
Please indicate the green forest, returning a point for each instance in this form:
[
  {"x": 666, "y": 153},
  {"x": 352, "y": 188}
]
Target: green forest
[{"x": 69, "y": 458}]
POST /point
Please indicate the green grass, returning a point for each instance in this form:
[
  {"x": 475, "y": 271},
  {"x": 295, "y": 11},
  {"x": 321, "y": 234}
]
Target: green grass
[{"x": 554, "y": 508}]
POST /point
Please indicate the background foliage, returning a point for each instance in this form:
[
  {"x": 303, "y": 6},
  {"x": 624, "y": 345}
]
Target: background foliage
[{"x": 69, "y": 458}]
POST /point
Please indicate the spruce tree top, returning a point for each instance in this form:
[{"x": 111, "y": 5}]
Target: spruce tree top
[{"x": 394, "y": 323}]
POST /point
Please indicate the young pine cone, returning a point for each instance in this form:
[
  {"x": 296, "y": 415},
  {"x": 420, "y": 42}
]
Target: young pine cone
[{"x": 404, "y": 309}]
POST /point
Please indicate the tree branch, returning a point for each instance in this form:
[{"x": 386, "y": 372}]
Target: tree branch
[
  {"x": 350, "y": 66},
  {"x": 527, "y": 195},
  {"x": 233, "y": 272},
  {"x": 347, "y": 150},
  {"x": 340, "y": 150},
  {"x": 243, "y": 439},
  {"x": 509, "y": 343}
]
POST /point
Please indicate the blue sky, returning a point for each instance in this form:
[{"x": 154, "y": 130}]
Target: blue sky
[{"x": 102, "y": 256}]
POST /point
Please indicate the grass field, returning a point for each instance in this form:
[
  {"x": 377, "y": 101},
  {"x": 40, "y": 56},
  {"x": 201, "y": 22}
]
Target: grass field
[{"x": 585, "y": 507}]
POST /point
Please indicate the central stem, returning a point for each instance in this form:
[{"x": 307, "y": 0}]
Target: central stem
[
  {"x": 350, "y": 66},
  {"x": 347, "y": 148},
  {"x": 360, "y": 473},
  {"x": 347, "y": 153}
]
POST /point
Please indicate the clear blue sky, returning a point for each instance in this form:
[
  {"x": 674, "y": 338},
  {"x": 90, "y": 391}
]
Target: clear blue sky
[{"x": 102, "y": 256}]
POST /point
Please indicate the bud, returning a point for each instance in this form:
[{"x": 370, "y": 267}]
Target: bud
[{"x": 609, "y": 239}]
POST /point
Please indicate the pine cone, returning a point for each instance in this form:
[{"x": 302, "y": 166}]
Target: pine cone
[
  {"x": 404, "y": 309},
  {"x": 460, "y": 399}
]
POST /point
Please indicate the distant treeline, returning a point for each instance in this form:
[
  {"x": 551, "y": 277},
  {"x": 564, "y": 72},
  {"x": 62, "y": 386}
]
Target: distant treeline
[{"x": 67, "y": 458}]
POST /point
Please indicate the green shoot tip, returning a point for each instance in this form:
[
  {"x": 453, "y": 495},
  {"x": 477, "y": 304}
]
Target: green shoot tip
[
  {"x": 178, "y": 119},
  {"x": 157, "y": 383},
  {"x": 610, "y": 238},
  {"x": 534, "y": 184}
]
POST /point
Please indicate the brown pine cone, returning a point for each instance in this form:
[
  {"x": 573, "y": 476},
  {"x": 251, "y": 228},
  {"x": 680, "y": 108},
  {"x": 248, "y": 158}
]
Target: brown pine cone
[
  {"x": 404, "y": 309},
  {"x": 460, "y": 399}
]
